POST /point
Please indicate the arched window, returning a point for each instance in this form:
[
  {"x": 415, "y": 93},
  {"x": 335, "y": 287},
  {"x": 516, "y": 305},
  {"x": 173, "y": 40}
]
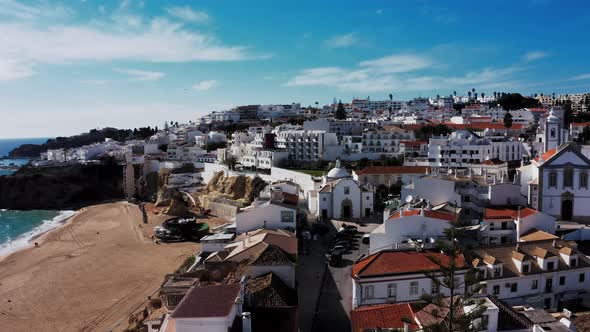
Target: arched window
[{"x": 552, "y": 132}]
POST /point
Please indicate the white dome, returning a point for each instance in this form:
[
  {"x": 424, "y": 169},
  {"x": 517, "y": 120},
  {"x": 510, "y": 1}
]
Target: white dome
[{"x": 338, "y": 173}]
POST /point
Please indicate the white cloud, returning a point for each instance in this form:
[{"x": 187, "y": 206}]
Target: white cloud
[
  {"x": 534, "y": 55},
  {"x": 141, "y": 75},
  {"x": 205, "y": 85},
  {"x": 14, "y": 70},
  {"x": 188, "y": 14},
  {"x": 398, "y": 63},
  {"x": 26, "y": 44},
  {"x": 580, "y": 77},
  {"x": 395, "y": 72},
  {"x": 16, "y": 10},
  {"x": 347, "y": 40}
]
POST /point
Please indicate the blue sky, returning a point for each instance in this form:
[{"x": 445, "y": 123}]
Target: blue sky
[{"x": 69, "y": 66}]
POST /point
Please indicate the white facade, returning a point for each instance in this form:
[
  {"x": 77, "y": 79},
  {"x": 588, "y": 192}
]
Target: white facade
[
  {"x": 268, "y": 215},
  {"x": 307, "y": 145}
]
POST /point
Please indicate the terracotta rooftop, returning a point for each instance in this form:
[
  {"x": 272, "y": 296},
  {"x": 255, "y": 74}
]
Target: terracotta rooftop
[
  {"x": 507, "y": 213},
  {"x": 384, "y": 316},
  {"x": 427, "y": 213},
  {"x": 493, "y": 162},
  {"x": 401, "y": 262},
  {"x": 536, "y": 235},
  {"x": 413, "y": 143},
  {"x": 269, "y": 291},
  {"x": 547, "y": 155},
  {"x": 393, "y": 170},
  {"x": 432, "y": 314},
  {"x": 207, "y": 301},
  {"x": 546, "y": 248}
]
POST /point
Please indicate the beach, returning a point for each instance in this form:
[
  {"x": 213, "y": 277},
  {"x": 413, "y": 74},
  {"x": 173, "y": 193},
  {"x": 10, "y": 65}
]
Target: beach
[{"x": 87, "y": 275}]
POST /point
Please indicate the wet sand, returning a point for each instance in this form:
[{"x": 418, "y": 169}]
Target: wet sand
[{"x": 87, "y": 275}]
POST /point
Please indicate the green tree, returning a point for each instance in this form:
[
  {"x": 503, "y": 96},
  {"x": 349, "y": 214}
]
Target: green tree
[
  {"x": 340, "y": 112},
  {"x": 448, "y": 309},
  {"x": 230, "y": 162},
  {"x": 507, "y": 120}
]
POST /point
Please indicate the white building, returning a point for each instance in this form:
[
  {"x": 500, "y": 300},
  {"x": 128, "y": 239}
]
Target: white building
[
  {"x": 557, "y": 183},
  {"x": 463, "y": 148},
  {"x": 277, "y": 212},
  {"x": 398, "y": 276},
  {"x": 308, "y": 145},
  {"x": 410, "y": 228},
  {"x": 507, "y": 225},
  {"x": 389, "y": 175},
  {"x": 543, "y": 274},
  {"x": 343, "y": 197}
]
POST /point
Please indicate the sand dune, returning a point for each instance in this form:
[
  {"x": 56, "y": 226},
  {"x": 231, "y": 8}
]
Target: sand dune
[{"x": 87, "y": 275}]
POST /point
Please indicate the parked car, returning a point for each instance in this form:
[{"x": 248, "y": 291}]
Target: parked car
[
  {"x": 342, "y": 243},
  {"x": 338, "y": 250},
  {"x": 348, "y": 229}
]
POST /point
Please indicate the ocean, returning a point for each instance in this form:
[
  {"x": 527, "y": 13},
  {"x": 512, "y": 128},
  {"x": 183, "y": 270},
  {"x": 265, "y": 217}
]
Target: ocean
[
  {"x": 17, "y": 228},
  {"x": 6, "y": 145}
]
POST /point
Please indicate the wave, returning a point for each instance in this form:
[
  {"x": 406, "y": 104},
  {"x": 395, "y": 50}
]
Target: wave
[{"x": 25, "y": 239}]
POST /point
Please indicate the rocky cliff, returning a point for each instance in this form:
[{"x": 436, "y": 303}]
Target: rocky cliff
[
  {"x": 55, "y": 188},
  {"x": 237, "y": 188}
]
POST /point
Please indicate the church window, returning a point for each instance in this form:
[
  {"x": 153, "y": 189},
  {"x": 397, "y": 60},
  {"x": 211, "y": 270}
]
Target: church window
[
  {"x": 552, "y": 132},
  {"x": 584, "y": 180},
  {"x": 568, "y": 177},
  {"x": 552, "y": 179}
]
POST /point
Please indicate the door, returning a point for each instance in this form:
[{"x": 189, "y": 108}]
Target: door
[
  {"x": 324, "y": 214},
  {"x": 346, "y": 211},
  {"x": 367, "y": 212},
  {"x": 567, "y": 207}
]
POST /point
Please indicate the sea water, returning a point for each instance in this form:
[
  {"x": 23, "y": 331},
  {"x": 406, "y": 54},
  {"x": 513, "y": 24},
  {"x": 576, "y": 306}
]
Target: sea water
[
  {"x": 7, "y": 144},
  {"x": 19, "y": 228}
]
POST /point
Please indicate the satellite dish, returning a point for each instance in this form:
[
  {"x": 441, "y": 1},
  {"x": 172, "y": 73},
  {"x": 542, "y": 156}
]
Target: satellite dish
[{"x": 409, "y": 198}]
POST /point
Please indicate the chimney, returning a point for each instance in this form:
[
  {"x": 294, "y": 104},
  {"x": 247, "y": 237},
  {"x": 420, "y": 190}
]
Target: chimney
[{"x": 246, "y": 322}]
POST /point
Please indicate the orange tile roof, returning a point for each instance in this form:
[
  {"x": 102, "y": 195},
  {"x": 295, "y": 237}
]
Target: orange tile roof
[
  {"x": 387, "y": 316},
  {"x": 427, "y": 213},
  {"x": 393, "y": 170},
  {"x": 401, "y": 262},
  {"x": 536, "y": 235},
  {"x": 507, "y": 213},
  {"x": 483, "y": 125},
  {"x": 547, "y": 155}
]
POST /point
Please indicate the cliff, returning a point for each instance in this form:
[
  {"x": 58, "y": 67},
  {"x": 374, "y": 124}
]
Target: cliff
[
  {"x": 241, "y": 189},
  {"x": 55, "y": 188}
]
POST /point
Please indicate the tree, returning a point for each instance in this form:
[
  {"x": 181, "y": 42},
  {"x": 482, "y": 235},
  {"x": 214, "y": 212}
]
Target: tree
[
  {"x": 483, "y": 95},
  {"x": 455, "y": 93},
  {"x": 340, "y": 112},
  {"x": 230, "y": 162},
  {"x": 469, "y": 94},
  {"x": 390, "y": 96},
  {"x": 507, "y": 120},
  {"x": 514, "y": 101},
  {"x": 448, "y": 309}
]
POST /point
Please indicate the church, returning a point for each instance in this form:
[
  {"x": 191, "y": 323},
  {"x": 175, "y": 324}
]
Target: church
[
  {"x": 342, "y": 197},
  {"x": 556, "y": 181}
]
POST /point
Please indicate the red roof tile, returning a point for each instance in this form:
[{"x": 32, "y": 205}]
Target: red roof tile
[
  {"x": 413, "y": 143},
  {"x": 427, "y": 213},
  {"x": 506, "y": 213},
  {"x": 547, "y": 155},
  {"x": 207, "y": 301},
  {"x": 388, "y": 316},
  {"x": 483, "y": 125},
  {"x": 401, "y": 262},
  {"x": 393, "y": 170}
]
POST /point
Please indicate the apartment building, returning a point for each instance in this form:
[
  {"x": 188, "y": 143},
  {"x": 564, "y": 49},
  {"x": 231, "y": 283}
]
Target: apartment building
[{"x": 307, "y": 145}]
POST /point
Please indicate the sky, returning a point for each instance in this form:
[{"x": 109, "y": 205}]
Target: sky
[{"x": 70, "y": 66}]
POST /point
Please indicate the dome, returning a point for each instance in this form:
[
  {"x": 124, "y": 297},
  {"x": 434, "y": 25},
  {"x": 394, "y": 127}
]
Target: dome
[
  {"x": 552, "y": 118},
  {"x": 338, "y": 173}
]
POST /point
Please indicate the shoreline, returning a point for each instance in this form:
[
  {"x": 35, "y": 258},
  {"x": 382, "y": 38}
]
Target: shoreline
[
  {"x": 72, "y": 281},
  {"x": 39, "y": 236}
]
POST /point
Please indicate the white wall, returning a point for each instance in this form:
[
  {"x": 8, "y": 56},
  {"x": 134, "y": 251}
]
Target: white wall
[
  {"x": 254, "y": 217},
  {"x": 398, "y": 230}
]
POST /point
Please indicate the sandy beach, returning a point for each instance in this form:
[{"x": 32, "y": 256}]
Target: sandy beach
[{"x": 87, "y": 275}]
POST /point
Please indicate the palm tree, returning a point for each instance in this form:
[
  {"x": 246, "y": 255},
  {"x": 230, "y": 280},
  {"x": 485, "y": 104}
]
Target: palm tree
[
  {"x": 469, "y": 94},
  {"x": 437, "y": 96},
  {"x": 390, "y": 96},
  {"x": 475, "y": 96},
  {"x": 473, "y": 90},
  {"x": 455, "y": 93},
  {"x": 495, "y": 95},
  {"x": 483, "y": 95}
]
